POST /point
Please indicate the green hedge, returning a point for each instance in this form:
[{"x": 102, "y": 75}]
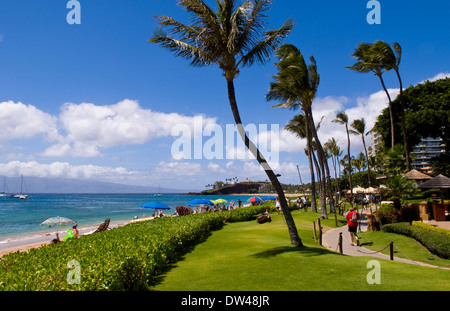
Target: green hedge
[
  {"x": 435, "y": 242},
  {"x": 126, "y": 258},
  {"x": 430, "y": 227}
]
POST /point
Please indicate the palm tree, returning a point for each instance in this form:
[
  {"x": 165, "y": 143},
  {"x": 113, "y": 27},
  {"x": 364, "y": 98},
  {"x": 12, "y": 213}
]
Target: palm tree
[
  {"x": 342, "y": 118},
  {"x": 231, "y": 37},
  {"x": 359, "y": 128},
  {"x": 333, "y": 149},
  {"x": 360, "y": 162},
  {"x": 390, "y": 58},
  {"x": 295, "y": 86},
  {"x": 368, "y": 61},
  {"x": 299, "y": 127}
]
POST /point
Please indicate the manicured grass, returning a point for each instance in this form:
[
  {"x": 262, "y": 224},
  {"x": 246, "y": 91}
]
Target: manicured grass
[
  {"x": 409, "y": 247},
  {"x": 247, "y": 256}
]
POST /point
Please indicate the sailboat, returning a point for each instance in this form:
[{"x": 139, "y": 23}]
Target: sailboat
[
  {"x": 21, "y": 195},
  {"x": 159, "y": 192}
]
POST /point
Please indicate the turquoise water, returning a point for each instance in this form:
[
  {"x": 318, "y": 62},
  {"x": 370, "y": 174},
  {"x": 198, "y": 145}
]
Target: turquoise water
[{"x": 23, "y": 217}]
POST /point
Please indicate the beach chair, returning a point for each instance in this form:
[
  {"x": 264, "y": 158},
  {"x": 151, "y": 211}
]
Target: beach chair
[{"x": 103, "y": 226}]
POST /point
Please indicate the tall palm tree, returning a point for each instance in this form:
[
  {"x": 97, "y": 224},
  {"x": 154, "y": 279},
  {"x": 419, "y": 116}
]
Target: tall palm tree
[
  {"x": 359, "y": 128},
  {"x": 299, "y": 127},
  {"x": 231, "y": 37},
  {"x": 367, "y": 60},
  {"x": 333, "y": 150},
  {"x": 295, "y": 86},
  {"x": 390, "y": 58},
  {"x": 342, "y": 118}
]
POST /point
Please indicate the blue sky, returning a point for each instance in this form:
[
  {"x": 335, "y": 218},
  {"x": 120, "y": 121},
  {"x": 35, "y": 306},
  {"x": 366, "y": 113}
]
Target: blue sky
[{"x": 98, "y": 101}]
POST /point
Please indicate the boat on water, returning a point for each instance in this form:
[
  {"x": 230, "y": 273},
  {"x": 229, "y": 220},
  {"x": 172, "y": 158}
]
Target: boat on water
[
  {"x": 159, "y": 192},
  {"x": 20, "y": 195}
]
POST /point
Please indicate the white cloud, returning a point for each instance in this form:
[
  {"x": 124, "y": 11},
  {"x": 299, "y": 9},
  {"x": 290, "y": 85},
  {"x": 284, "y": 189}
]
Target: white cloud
[
  {"x": 439, "y": 76},
  {"x": 21, "y": 121},
  {"x": 62, "y": 170},
  {"x": 90, "y": 128}
]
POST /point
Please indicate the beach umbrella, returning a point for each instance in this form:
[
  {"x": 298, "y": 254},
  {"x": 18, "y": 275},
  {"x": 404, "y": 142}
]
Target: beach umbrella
[
  {"x": 57, "y": 221},
  {"x": 370, "y": 190},
  {"x": 155, "y": 205},
  {"x": 270, "y": 198},
  {"x": 200, "y": 202},
  {"x": 218, "y": 201},
  {"x": 255, "y": 199},
  {"x": 358, "y": 189}
]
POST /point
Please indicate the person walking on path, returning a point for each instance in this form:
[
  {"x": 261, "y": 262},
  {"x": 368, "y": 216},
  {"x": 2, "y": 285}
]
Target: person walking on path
[{"x": 353, "y": 218}]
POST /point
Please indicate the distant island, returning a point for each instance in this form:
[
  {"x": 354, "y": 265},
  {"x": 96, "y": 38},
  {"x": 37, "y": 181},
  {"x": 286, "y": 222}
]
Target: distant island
[
  {"x": 240, "y": 188},
  {"x": 73, "y": 186}
]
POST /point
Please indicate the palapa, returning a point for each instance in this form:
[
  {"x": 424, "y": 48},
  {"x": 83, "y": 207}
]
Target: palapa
[
  {"x": 416, "y": 175},
  {"x": 439, "y": 182}
]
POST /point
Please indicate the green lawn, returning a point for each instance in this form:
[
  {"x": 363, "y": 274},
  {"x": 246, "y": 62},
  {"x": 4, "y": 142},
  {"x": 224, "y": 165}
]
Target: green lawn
[{"x": 247, "y": 256}]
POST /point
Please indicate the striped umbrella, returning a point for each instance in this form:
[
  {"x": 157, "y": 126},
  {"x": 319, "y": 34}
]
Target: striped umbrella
[
  {"x": 57, "y": 221},
  {"x": 255, "y": 199}
]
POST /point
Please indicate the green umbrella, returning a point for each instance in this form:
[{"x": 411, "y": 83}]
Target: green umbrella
[{"x": 218, "y": 201}]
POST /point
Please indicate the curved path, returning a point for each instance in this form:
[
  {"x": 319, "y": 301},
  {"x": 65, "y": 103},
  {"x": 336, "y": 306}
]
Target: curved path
[{"x": 330, "y": 240}]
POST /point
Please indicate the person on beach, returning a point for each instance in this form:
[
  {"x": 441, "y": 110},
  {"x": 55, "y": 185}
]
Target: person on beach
[
  {"x": 353, "y": 218},
  {"x": 76, "y": 233},
  {"x": 57, "y": 240},
  {"x": 278, "y": 206}
]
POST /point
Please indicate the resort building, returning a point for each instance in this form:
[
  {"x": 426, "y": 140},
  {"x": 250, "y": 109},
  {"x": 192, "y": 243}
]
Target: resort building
[
  {"x": 427, "y": 149},
  {"x": 376, "y": 143}
]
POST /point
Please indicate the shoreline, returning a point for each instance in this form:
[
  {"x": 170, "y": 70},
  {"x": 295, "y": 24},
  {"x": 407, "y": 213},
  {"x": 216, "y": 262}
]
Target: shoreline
[{"x": 26, "y": 242}]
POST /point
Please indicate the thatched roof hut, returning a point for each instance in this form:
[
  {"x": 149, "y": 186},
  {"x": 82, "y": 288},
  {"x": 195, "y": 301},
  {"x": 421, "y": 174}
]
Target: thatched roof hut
[
  {"x": 439, "y": 182},
  {"x": 417, "y": 176}
]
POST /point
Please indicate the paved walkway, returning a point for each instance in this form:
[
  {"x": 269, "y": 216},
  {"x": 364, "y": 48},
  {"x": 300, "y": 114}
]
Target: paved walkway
[{"x": 330, "y": 240}]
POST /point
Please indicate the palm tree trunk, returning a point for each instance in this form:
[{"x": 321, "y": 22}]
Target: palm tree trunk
[
  {"x": 391, "y": 113},
  {"x": 367, "y": 159},
  {"x": 405, "y": 137},
  {"x": 323, "y": 163},
  {"x": 293, "y": 233},
  {"x": 322, "y": 198},
  {"x": 349, "y": 165},
  {"x": 311, "y": 169}
]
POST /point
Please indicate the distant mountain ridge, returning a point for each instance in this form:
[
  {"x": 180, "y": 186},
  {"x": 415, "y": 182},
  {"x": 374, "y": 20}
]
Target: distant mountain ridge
[{"x": 61, "y": 185}]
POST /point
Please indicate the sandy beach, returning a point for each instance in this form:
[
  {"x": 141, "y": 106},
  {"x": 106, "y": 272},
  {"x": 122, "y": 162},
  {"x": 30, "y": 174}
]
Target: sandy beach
[
  {"x": 36, "y": 240},
  {"x": 26, "y": 243}
]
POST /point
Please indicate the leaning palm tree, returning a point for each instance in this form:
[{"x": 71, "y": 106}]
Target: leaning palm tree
[
  {"x": 367, "y": 60},
  {"x": 359, "y": 128},
  {"x": 231, "y": 37},
  {"x": 295, "y": 86},
  {"x": 342, "y": 118},
  {"x": 390, "y": 58}
]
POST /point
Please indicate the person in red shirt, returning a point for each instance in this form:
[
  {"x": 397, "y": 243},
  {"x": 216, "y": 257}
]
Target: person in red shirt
[{"x": 353, "y": 224}]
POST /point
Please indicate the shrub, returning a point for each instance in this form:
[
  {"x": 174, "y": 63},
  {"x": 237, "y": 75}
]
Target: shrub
[
  {"x": 436, "y": 243},
  {"x": 388, "y": 214},
  {"x": 430, "y": 227},
  {"x": 126, "y": 258}
]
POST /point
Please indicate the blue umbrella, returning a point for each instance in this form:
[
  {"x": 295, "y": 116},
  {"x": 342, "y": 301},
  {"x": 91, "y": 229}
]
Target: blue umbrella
[
  {"x": 269, "y": 198},
  {"x": 200, "y": 201},
  {"x": 155, "y": 205}
]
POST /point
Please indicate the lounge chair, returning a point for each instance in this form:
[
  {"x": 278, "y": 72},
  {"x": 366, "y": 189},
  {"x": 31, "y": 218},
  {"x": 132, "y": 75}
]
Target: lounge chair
[{"x": 103, "y": 226}]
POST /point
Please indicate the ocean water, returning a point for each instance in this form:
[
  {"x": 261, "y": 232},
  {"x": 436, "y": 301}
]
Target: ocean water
[{"x": 20, "y": 218}]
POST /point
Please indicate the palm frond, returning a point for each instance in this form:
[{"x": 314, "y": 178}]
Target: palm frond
[{"x": 261, "y": 52}]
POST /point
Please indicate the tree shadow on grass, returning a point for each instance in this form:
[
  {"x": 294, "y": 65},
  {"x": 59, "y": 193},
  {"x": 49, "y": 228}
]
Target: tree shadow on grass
[{"x": 304, "y": 250}]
